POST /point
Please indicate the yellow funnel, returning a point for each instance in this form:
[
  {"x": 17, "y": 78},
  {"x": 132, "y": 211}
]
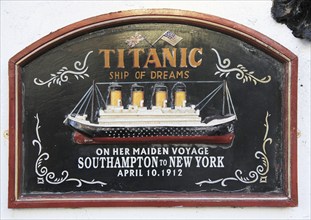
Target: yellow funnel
[
  {"x": 160, "y": 96},
  {"x": 115, "y": 95},
  {"x": 137, "y": 95}
]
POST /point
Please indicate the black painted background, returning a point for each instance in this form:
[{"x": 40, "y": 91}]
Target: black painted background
[{"x": 251, "y": 103}]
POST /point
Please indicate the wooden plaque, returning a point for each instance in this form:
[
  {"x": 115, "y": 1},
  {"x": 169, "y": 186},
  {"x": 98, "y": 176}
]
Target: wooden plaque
[{"x": 153, "y": 108}]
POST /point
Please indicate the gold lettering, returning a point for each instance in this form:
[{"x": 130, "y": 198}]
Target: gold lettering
[
  {"x": 165, "y": 74},
  {"x": 179, "y": 74},
  {"x": 186, "y": 75},
  {"x": 111, "y": 75},
  {"x": 155, "y": 59},
  {"x": 136, "y": 52},
  {"x": 183, "y": 57},
  {"x": 153, "y": 74},
  {"x": 171, "y": 57},
  {"x": 192, "y": 60},
  {"x": 118, "y": 75},
  {"x": 121, "y": 58},
  {"x": 106, "y": 56},
  {"x": 172, "y": 75}
]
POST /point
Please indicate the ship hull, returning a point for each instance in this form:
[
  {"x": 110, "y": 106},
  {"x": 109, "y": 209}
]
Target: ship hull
[
  {"x": 223, "y": 141},
  {"x": 87, "y": 134}
]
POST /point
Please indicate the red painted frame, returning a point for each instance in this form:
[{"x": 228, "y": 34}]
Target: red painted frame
[{"x": 290, "y": 60}]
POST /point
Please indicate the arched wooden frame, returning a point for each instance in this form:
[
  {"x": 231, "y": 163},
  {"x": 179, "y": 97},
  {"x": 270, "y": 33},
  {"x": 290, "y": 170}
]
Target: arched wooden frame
[{"x": 280, "y": 53}]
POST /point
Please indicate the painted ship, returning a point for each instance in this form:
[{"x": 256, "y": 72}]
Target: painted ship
[{"x": 110, "y": 122}]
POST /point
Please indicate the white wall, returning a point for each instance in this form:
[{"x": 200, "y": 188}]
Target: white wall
[{"x": 22, "y": 23}]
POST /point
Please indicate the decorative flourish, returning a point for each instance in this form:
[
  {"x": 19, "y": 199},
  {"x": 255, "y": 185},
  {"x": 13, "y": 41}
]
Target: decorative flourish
[
  {"x": 260, "y": 173},
  {"x": 50, "y": 177},
  {"x": 61, "y": 76},
  {"x": 242, "y": 73}
]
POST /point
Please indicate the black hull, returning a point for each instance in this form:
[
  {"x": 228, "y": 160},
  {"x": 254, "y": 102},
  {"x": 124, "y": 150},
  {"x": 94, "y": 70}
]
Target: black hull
[{"x": 151, "y": 131}]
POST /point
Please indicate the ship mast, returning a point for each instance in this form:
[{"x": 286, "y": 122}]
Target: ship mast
[
  {"x": 92, "y": 118},
  {"x": 224, "y": 96}
]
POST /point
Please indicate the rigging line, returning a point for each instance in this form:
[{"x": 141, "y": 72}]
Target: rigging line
[
  {"x": 223, "y": 98},
  {"x": 208, "y": 95},
  {"x": 87, "y": 105},
  {"x": 228, "y": 99},
  {"x": 92, "y": 118},
  {"x": 232, "y": 106},
  {"x": 96, "y": 96},
  {"x": 215, "y": 90},
  {"x": 102, "y": 98},
  {"x": 153, "y": 92},
  {"x": 232, "y": 103},
  {"x": 86, "y": 98},
  {"x": 172, "y": 95},
  {"x": 210, "y": 99},
  {"x": 88, "y": 91},
  {"x": 228, "y": 102},
  {"x": 108, "y": 95}
]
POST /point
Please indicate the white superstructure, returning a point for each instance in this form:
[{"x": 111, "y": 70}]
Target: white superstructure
[{"x": 114, "y": 114}]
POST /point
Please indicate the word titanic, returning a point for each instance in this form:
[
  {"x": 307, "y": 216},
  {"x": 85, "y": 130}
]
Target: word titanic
[{"x": 140, "y": 57}]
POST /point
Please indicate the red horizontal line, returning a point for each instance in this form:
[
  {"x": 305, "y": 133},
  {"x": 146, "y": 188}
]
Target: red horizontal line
[{"x": 221, "y": 139}]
